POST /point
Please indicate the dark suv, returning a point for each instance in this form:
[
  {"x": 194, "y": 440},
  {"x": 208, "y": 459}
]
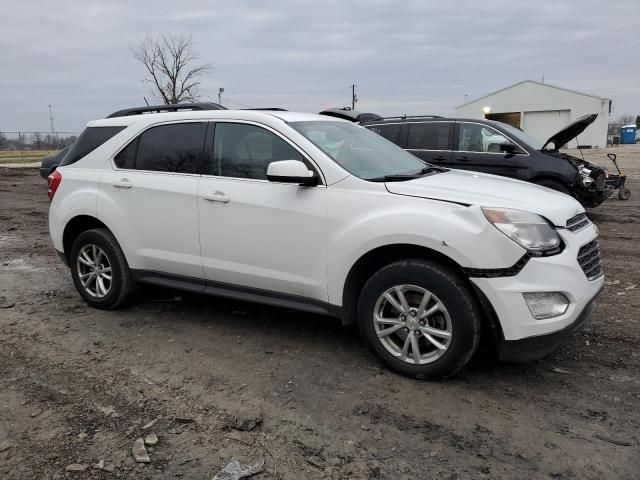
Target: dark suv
[{"x": 495, "y": 147}]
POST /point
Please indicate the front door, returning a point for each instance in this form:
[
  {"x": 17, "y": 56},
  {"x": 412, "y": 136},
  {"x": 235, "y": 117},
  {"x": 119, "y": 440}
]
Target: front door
[
  {"x": 477, "y": 147},
  {"x": 253, "y": 232}
]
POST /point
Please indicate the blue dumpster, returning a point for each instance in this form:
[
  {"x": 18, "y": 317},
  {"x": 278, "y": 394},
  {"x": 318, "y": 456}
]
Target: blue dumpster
[{"x": 628, "y": 134}]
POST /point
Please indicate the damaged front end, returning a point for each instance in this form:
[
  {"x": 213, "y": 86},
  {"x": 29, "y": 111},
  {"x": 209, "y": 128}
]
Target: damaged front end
[{"x": 592, "y": 187}]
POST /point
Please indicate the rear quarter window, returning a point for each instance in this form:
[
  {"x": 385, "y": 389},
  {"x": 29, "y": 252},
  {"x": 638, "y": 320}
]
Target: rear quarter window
[{"x": 88, "y": 141}]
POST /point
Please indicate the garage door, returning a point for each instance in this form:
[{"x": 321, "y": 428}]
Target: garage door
[{"x": 541, "y": 125}]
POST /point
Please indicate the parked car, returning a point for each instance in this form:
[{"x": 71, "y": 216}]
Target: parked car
[
  {"x": 50, "y": 162},
  {"x": 324, "y": 216},
  {"x": 500, "y": 149}
]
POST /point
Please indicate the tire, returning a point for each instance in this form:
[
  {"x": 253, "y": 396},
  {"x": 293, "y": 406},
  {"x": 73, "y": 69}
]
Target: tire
[
  {"x": 553, "y": 185},
  {"x": 460, "y": 318},
  {"x": 86, "y": 248},
  {"x": 624, "y": 194}
]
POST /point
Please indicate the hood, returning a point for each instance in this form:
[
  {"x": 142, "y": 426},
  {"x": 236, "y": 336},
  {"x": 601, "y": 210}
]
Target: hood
[
  {"x": 474, "y": 188},
  {"x": 570, "y": 132}
]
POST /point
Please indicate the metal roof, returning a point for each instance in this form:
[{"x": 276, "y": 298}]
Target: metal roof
[{"x": 537, "y": 83}]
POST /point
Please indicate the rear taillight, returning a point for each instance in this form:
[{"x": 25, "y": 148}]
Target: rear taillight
[{"x": 53, "y": 181}]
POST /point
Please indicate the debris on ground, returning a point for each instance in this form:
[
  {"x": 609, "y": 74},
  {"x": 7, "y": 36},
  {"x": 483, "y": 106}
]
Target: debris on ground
[
  {"x": 76, "y": 467},
  {"x": 99, "y": 465},
  {"x": 234, "y": 470},
  {"x": 247, "y": 421},
  {"x": 6, "y": 303},
  {"x": 37, "y": 412},
  {"x": 615, "y": 441},
  {"x": 151, "y": 439},
  {"x": 150, "y": 424},
  {"x": 559, "y": 370},
  {"x": 184, "y": 420},
  {"x": 139, "y": 452},
  {"x": 107, "y": 411}
]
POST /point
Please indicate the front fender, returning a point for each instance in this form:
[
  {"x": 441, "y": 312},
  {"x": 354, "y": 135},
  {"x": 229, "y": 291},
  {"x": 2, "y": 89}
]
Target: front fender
[{"x": 458, "y": 232}]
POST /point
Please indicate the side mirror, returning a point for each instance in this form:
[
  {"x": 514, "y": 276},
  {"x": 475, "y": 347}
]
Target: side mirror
[
  {"x": 509, "y": 148},
  {"x": 291, "y": 171}
]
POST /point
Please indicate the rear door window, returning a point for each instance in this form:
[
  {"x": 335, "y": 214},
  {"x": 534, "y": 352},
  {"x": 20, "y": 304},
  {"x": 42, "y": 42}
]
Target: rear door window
[
  {"x": 429, "y": 136},
  {"x": 175, "y": 148},
  {"x": 88, "y": 141}
]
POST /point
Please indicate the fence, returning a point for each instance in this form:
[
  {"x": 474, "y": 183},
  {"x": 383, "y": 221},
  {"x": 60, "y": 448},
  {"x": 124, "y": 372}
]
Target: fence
[{"x": 26, "y": 146}]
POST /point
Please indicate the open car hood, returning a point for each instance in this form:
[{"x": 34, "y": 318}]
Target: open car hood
[
  {"x": 570, "y": 132},
  {"x": 351, "y": 115}
]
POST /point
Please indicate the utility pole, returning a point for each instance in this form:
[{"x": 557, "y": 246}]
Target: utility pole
[
  {"x": 53, "y": 129},
  {"x": 354, "y": 97},
  {"x": 220, "y": 92}
]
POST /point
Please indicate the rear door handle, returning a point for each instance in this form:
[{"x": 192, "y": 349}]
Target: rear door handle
[
  {"x": 463, "y": 159},
  {"x": 216, "y": 197},
  {"x": 122, "y": 183}
]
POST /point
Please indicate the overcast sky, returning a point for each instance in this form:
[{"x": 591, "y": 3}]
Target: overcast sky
[{"x": 406, "y": 56}]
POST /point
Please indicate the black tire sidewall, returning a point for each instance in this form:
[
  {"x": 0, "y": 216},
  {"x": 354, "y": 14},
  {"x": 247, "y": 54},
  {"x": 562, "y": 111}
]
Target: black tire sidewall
[
  {"x": 119, "y": 269},
  {"x": 450, "y": 289}
]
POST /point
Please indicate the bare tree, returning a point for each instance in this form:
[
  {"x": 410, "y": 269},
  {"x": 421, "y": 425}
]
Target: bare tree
[
  {"x": 626, "y": 119},
  {"x": 173, "y": 67}
]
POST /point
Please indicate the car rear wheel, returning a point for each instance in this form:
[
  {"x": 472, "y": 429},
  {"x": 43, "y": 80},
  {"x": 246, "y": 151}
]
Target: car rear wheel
[
  {"x": 99, "y": 269},
  {"x": 419, "y": 318}
]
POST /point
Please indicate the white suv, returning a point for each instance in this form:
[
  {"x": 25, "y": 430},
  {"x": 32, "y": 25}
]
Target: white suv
[{"x": 325, "y": 216}]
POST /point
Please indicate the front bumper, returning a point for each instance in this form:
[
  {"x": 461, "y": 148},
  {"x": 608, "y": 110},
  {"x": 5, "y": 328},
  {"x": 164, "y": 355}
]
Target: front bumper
[
  {"x": 533, "y": 348},
  {"x": 557, "y": 273}
]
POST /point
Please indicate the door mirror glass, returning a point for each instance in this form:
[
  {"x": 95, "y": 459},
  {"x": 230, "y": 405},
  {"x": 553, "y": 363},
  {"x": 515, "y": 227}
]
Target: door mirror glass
[
  {"x": 291, "y": 171},
  {"x": 509, "y": 148}
]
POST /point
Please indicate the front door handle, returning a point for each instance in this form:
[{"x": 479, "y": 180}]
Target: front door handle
[
  {"x": 216, "y": 197},
  {"x": 440, "y": 158},
  {"x": 122, "y": 183}
]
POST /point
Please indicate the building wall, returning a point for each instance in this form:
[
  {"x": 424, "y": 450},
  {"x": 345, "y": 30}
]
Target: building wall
[{"x": 536, "y": 97}]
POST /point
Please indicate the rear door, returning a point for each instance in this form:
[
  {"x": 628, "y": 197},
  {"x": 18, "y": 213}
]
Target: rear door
[
  {"x": 149, "y": 199},
  {"x": 431, "y": 141},
  {"x": 477, "y": 147}
]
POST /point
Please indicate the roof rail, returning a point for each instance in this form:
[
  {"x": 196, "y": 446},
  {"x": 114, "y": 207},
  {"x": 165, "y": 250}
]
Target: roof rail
[
  {"x": 267, "y": 109},
  {"x": 404, "y": 117},
  {"x": 166, "y": 108}
]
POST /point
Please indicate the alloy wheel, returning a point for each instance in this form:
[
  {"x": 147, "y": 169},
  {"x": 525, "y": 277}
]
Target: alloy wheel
[
  {"x": 412, "y": 324},
  {"x": 94, "y": 271}
]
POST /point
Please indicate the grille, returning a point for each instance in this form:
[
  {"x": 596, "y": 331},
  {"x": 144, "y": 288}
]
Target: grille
[
  {"x": 589, "y": 260},
  {"x": 578, "y": 222}
]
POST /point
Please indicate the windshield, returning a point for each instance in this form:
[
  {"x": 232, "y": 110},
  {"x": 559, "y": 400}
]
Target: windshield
[
  {"x": 359, "y": 151},
  {"x": 523, "y": 137}
]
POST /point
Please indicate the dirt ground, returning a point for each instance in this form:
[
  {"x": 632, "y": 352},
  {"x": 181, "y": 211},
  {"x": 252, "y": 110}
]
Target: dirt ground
[{"x": 79, "y": 386}]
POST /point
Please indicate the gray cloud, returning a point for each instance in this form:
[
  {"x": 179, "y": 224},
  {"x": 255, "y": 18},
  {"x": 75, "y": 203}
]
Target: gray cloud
[{"x": 406, "y": 56}]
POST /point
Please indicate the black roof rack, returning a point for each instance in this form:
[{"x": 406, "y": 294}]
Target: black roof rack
[
  {"x": 404, "y": 117},
  {"x": 166, "y": 108}
]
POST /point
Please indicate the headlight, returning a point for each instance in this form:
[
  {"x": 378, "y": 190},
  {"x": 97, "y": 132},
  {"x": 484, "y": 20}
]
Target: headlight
[
  {"x": 527, "y": 229},
  {"x": 585, "y": 174}
]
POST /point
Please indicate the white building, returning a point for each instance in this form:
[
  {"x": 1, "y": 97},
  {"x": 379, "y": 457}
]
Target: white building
[{"x": 540, "y": 110}]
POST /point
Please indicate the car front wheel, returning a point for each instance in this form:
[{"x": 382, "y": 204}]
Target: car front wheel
[
  {"x": 419, "y": 318},
  {"x": 99, "y": 269}
]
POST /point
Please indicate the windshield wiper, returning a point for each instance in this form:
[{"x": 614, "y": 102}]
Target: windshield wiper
[{"x": 402, "y": 177}]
